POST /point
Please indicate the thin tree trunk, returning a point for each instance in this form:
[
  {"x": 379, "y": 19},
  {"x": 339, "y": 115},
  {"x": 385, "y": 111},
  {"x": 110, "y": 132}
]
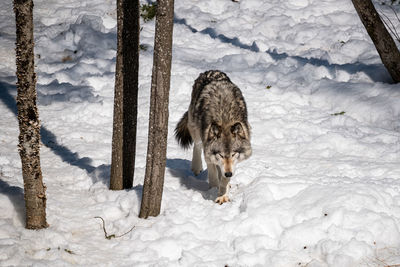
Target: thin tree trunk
[
  {"x": 28, "y": 118},
  {"x": 126, "y": 94},
  {"x": 158, "y": 120},
  {"x": 380, "y": 36}
]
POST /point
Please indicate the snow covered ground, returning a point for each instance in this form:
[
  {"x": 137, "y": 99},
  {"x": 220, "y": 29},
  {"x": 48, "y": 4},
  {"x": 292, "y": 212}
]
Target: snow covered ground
[{"x": 321, "y": 189}]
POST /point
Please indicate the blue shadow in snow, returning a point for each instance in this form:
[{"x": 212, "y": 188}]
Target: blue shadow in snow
[
  {"x": 47, "y": 137},
  {"x": 16, "y": 196},
  {"x": 213, "y": 34},
  {"x": 377, "y": 72},
  {"x": 181, "y": 169}
]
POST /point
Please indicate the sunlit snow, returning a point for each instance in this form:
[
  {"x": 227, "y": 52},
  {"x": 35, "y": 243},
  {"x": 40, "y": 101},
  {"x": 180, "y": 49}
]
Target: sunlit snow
[{"x": 322, "y": 187}]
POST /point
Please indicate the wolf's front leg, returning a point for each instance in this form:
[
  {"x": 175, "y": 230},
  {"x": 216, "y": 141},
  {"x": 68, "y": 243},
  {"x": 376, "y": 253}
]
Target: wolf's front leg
[
  {"x": 197, "y": 165},
  {"x": 223, "y": 190},
  {"x": 213, "y": 179}
]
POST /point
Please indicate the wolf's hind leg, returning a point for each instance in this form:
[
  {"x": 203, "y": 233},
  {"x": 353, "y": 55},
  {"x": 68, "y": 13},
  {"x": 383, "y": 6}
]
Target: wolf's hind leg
[
  {"x": 197, "y": 165},
  {"x": 212, "y": 175},
  {"x": 223, "y": 190}
]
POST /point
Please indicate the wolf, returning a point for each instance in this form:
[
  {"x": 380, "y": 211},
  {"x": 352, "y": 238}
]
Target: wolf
[{"x": 216, "y": 122}]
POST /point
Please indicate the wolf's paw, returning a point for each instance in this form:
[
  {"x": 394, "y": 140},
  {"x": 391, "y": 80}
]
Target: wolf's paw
[{"x": 222, "y": 199}]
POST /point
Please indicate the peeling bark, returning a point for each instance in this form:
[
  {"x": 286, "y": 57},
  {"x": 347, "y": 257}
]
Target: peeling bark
[{"x": 28, "y": 118}]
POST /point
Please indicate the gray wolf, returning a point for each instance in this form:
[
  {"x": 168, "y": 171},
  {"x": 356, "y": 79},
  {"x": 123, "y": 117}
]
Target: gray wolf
[{"x": 216, "y": 122}]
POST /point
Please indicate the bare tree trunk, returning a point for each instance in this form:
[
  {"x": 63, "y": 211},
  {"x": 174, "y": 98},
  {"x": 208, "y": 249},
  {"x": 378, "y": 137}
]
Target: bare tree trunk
[
  {"x": 158, "y": 121},
  {"x": 126, "y": 94},
  {"x": 28, "y": 118},
  {"x": 380, "y": 36}
]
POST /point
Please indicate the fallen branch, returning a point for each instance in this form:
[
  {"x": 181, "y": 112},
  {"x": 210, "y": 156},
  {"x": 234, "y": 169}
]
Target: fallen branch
[{"x": 107, "y": 236}]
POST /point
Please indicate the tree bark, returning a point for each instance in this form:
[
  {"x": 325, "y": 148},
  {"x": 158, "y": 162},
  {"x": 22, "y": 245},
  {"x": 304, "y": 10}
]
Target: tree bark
[
  {"x": 380, "y": 36},
  {"x": 125, "y": 96},
  {"x": 28, "y": 118},
  {"x": 158, "y": 119}
]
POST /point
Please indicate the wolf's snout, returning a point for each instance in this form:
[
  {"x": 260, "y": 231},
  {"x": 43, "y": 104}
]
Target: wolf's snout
[{"x": 228, "y": 174}]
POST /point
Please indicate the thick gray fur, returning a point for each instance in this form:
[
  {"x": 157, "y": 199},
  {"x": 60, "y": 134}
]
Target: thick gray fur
[{"x": 217, "y": 123}]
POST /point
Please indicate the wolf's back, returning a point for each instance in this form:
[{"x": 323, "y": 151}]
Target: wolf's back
[
  {"x": 206, "y": 78},
  {"x": 216, "y": 100}
]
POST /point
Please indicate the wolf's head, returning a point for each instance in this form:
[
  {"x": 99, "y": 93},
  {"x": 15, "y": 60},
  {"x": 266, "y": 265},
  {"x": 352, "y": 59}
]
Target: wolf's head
[{"x": 227, "y": 146}]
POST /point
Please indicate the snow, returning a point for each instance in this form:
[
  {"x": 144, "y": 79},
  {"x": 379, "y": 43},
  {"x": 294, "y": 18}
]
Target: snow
[{"x": 322, "y": 187}]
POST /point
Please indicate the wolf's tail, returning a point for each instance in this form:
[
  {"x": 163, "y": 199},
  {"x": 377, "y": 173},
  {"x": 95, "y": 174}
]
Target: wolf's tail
[{"x": 182, "y": 133}]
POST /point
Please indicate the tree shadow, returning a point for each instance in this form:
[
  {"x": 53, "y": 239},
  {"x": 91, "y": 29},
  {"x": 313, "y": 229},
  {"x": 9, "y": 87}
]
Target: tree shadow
[
  {"x": 223, "y": 38},
  {"x": 181, "y": 169},
  {"x": 50, "y": 140},
  {"x": 101, "y": 174},
  {"x": 138, "y": 189},
  {"x": 377, "y": 72},
  {"x": 16, "y": 196}
]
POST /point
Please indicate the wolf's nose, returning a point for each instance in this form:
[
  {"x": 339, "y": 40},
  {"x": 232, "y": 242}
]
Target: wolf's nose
[{"x": 228, "y": 174}]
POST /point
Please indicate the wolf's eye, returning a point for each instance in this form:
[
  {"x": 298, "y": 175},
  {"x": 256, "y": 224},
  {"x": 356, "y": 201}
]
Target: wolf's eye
[
  {"x": 215, "y": 152},
  {"x": 234, "y": 154},
  {"x": 219, "y": 154}
]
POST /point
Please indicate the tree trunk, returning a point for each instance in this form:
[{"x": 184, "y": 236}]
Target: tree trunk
[
  {"x": 125, "y": 96},
  {"x": 28, "y": 118},
  {"x": 380, "y": 36},
  {"x": 158, "y": 120}
]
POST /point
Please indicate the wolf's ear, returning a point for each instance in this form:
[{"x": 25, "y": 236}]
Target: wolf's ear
[
  {"x": 237, "y": 130},
  {"x": 214, "y": 132}
]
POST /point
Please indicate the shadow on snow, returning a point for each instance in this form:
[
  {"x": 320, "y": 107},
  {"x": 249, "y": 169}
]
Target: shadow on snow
[
  {"x": 181, "y": 169},
  {"x": 377, "y": 72},
  {"x": 16, "y": 196},
  {"x": 50, "y": 140}
]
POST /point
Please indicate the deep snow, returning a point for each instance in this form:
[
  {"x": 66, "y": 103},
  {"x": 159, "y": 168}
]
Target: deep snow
[{"x": 321, "y": 189}]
